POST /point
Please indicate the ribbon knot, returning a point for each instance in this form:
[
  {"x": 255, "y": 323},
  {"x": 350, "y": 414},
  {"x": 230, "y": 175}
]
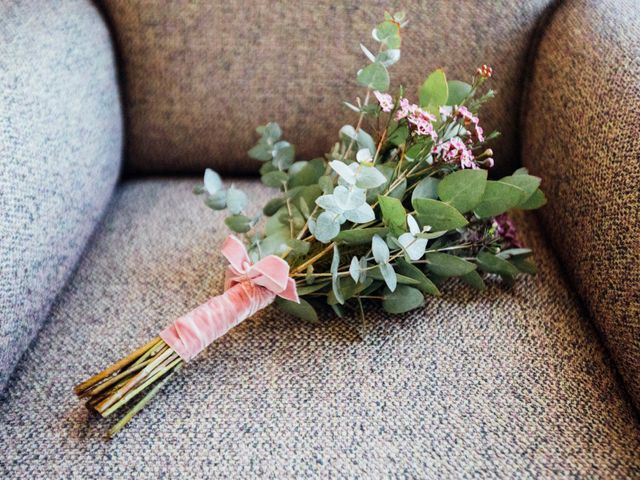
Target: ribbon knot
[{"x": 270, "y": 272}]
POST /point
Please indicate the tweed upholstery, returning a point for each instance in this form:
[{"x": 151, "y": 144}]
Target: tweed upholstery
[
  {"x": 60, "y": 149},
  {"x": 500, "y": 384},
  {"x": 582, "y": 130},
  {"x": 199, "y": 76}
]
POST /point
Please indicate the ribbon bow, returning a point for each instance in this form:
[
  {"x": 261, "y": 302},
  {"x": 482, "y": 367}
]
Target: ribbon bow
[{"x": 270, "y": 272}]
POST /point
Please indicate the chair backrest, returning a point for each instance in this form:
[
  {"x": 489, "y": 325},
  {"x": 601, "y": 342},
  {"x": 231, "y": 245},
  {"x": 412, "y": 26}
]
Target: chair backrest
[{"x": 199, "y": 76}]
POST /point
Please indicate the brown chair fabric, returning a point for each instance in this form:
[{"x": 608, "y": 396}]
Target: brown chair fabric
[
  {"x": 199, "y": 76},
  {"x": 582, "y": 135}
]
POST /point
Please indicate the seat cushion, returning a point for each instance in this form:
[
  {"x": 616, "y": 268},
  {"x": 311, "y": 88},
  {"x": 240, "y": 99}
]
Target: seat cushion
[
  {"x": 501, "y": 383},
  {"x": 198, "y": 72}
]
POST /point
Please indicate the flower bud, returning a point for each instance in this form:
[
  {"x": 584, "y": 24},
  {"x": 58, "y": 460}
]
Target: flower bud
[{"x": 485, "y": 71}]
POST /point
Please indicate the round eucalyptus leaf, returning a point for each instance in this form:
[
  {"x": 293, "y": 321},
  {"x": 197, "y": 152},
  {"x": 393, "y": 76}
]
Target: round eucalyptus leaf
[
  {"x": 236, "y": 200},
  {"x": 402, "y": 299},
  {"x": 217, "y": 201},
  {"x": 238, "y": 223}
]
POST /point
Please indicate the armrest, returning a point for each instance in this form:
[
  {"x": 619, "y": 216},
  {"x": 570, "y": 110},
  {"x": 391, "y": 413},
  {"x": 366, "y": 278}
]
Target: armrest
[
  {"x": 60, "y": 149},
  {"x": 581, "y": 133}
]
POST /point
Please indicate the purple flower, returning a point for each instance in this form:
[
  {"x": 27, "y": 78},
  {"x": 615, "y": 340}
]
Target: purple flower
[{"x": 506, "y": 229}]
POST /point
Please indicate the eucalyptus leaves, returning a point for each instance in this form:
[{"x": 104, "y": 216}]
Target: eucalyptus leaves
[{"x": 401, "y": 203}]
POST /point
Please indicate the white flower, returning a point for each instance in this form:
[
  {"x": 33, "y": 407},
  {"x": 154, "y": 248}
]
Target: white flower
[
  {"x": 357, "y": 174},
  {"x": 384, "y": 99},
  {"x": 364, "y": 155},
  {"x": 411, "y": 244},
  {"x": 341, "y": 205}
]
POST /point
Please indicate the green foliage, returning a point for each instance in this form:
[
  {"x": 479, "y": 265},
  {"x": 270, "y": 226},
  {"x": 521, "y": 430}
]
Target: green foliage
[
  {"x": 438, "y": 215},
  {"x": 409, "y": 270},
  {"x": 302, "y": 310},
  {"x": 474, "y": 280},
  {"x": 458, "y": 92},
  {"x": 393, "y": 215},
  {"x": 434, "y": 92},
  {"x": 447, "y": 265},
  {"x": 388, "y": 34},
  {"x": 381, "y": 255},
  {"x": 298, "y": 247},
  {"x": 388, "y": 57},
  {"x": 217, "y": 201},
  {"x": 524, "y": 265},
  {"x": 335, "y": 278},
  {"x": 488, "y": 262},
  {"x": 527, "y": 183},
  {"x": 361, "y": 236},
  {"x": 399, "y": 135},
  {"x": 236, "y": 200},
  {"x": 263, "y": 151},
  {"x": 374, "y": 76},
  {"x": 273, "y": 206},
  {"x": 275, "y": 179},
  {"x": 463, "y": 189},
  {"x": 238, "y": 223},
  {"x": 283, "y": 154},
  {"x": 535, "y": 201},
  {"x": 390, "y": 276},
  {"x": 309, "y": 174},
  {"x": 498, "y": 197},
  {"x": 402, "y": 299},
  {"x": 387, "y": 215},
  {"x": 426, "y": 188}
]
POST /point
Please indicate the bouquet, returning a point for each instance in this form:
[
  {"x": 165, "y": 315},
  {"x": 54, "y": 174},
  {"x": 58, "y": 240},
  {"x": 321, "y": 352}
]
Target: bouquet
[{"x": 401, "y": 203}]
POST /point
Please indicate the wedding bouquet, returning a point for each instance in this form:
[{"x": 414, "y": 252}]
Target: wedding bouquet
[{"x": 401, "y": 203}]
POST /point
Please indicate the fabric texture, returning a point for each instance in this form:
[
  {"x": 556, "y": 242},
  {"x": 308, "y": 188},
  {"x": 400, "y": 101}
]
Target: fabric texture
[
  {"x": 582, "y": 130},
  {"x": 495, "y": 384},
  {"x": 199, "y": 76},
  {"x": 60, "y": 150}
]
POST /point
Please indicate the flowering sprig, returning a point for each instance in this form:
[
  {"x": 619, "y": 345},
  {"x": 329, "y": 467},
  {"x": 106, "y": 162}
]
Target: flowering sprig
[{"x": 401, "y": 203}]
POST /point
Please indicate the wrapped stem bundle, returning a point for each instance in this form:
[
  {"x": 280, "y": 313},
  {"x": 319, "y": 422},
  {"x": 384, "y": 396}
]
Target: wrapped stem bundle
[{"x": 384, "y": 217}]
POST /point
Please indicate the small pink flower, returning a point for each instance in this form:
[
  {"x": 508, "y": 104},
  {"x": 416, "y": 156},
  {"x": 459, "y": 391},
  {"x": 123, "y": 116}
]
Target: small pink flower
[
  {"x": 422, "y": 120},
  {"x": 478, "y": 134},
  {"x": 405, "y": 109},
  {"x": 455, "y": 151},
  {"x": 385, "y": 100},
  {"x": 468, "y": 118}
]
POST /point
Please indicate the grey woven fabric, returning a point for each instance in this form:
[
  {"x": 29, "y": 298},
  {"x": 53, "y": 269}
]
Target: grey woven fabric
[
  {"x": 499, "y": 384},
  {"x": 582, "y": 135},
  {"x": 60, "y": 149},
  {"x": 199, "y": 76}
]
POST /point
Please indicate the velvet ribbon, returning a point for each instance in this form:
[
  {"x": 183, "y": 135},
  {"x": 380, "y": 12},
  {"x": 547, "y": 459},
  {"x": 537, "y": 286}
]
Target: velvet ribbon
[{"x": 249, "y": 287}]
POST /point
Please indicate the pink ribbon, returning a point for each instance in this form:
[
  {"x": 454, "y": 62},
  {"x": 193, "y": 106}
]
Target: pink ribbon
[{"x": 248, "y": 288}]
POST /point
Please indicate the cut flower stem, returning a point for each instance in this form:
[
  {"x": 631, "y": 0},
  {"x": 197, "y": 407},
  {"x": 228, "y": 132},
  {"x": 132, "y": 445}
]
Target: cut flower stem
[{"x": 146, "y": 369}]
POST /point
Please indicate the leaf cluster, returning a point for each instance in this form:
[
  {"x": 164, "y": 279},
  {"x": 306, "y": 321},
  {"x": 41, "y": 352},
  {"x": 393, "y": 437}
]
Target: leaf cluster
[{"x": 390, "y": 212}]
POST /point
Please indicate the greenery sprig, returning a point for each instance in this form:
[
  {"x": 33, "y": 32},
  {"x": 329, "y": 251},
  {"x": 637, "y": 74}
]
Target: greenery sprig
[{"x": 401, "y": 203}]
